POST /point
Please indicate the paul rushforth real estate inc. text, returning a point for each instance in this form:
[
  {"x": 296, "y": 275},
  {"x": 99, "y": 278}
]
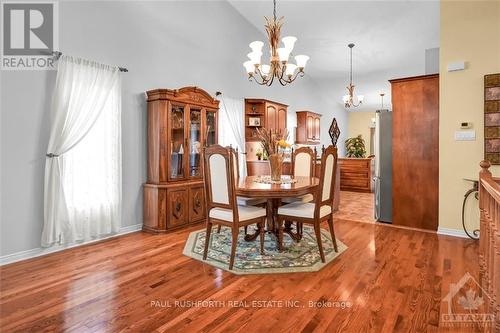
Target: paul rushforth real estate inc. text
[{"x": 249, "y": 304}]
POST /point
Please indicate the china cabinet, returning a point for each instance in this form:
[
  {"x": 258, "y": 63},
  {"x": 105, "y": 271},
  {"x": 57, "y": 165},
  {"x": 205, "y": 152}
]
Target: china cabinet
[{"x": 180, "y": 123}]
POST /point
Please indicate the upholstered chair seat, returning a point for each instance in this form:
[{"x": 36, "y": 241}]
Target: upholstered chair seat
[
  {"x": 244, "y": 213},
  {"x": 299, "y": 209}
]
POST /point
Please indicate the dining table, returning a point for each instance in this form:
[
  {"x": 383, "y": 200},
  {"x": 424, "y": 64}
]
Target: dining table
[{"x": 291, "y": 187}]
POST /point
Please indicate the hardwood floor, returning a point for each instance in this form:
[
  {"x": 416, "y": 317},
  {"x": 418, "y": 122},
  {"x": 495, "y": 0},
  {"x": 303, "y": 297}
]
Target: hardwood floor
[
  {"x": 393, "y": 279},
  {"x": 356, "y": 206}
]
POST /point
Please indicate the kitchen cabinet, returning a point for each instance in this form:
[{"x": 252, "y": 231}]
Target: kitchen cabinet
[
  {"x": 262, "y": 113},
  {"x": 308, "y": 128}
]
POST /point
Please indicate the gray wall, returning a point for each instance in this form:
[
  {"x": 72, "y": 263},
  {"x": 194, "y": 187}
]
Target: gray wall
[{"x": 168, "y": 45}]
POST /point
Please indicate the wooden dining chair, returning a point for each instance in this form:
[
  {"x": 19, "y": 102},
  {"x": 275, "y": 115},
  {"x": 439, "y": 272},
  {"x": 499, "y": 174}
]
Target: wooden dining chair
[
  {"x": 303, "y": 164},
  {"x": 321, "y": 208},
  {"x": 242, "y": 201},
  {"x": 222, "y": 207}
]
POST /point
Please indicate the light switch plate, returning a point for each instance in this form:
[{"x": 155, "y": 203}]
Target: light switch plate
[{"x": 465, "y": 135}]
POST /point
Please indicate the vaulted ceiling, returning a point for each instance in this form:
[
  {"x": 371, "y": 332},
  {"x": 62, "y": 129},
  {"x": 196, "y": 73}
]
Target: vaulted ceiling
[{"x": 390, "y": 36}]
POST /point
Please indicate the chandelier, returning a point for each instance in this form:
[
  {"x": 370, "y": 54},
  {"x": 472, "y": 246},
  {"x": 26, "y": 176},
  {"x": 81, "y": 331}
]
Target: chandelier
[
  {"x": 350, "y": 97},
  {"x": 279, "y": 68}
]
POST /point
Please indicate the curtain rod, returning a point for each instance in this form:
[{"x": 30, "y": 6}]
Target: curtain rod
[{"x": 58, "y": 54}]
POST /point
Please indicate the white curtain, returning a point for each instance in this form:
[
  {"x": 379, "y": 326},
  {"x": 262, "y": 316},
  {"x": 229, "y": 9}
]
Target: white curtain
[
  {"x": 232, "y": 127},
  {"x": 82, "y": 195}
]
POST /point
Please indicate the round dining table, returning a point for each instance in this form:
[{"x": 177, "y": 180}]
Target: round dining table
[{"x": 252, "y": 187}]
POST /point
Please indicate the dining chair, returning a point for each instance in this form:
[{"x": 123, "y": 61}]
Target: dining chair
[
  {"x": 221, "y": 202},
  {"x": 321, "y": 208},
  {"x": 242, "y": 201},
  {"x": 303, "y": 164}
]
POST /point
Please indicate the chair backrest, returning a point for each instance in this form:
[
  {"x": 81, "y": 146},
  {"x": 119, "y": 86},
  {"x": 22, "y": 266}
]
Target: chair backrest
[
  {"x": 303, "y": 162},
  {"x": 236, "y": 164},
  {"x": 327, "y": 178},
  {"x": 219, "y": 178}
]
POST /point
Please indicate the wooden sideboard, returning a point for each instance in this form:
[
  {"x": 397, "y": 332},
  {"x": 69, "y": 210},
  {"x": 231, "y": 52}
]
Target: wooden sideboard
[
  {"x": 308, "y": 128},
  {"x": 180, "y": 123},
  {"x": 270, "y": 115},
  {"x": 356, "y": 174}
]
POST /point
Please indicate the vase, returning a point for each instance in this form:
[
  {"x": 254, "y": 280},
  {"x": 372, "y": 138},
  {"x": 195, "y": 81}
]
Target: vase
[{"x": 276, "y": 165}]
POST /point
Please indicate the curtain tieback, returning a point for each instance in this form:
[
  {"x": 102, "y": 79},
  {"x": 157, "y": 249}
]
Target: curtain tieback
[{"x": 51, "y": 155}]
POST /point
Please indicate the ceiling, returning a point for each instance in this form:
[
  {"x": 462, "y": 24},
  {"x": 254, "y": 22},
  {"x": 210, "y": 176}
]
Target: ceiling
[{"x": 390, "y": 36}]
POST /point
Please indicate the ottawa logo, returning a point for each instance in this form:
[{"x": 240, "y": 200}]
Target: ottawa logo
[{"x": 467, "y": 305}]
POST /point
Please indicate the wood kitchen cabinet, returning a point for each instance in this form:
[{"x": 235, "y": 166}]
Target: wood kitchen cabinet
[
  {"x": 262, "y": 113},
  {"x": 180, "y": 123},
  {"x": 308, "y": 128}
]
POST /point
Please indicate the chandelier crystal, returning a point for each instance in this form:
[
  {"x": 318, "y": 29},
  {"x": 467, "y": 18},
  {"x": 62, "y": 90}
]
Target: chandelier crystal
[
  {"x": 349, "y": 99},
  {"x": 280, "y": 68}
]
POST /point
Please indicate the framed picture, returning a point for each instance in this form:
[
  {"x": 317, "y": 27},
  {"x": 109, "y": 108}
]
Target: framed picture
[{"x": 254, "y": 121}]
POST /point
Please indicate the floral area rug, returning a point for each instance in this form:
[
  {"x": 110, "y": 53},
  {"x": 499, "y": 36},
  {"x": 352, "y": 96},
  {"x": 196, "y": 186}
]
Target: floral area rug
[{"x": 297, "y": 257}]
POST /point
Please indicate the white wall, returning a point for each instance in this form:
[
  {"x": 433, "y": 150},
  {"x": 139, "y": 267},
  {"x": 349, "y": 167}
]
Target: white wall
[{"x": 163, "y": 44}]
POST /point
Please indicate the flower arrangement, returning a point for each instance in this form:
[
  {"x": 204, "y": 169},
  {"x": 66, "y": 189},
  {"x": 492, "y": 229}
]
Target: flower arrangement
[{"x": 272, "y": 141}]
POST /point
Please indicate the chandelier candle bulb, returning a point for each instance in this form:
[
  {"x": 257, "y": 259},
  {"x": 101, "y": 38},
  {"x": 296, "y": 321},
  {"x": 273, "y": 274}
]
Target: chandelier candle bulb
[
  {"x": 265, "y": 69},
  {"x": 289, "y": 42},
  {"x": 249, "y": 66},
  {"x": 255, "y": 57},
  {"x": 290, "y": 69},
  {"x": 283, "y": 54},
  {"x": 256, "y": 46},
  {"x": 301, "y": 60}
]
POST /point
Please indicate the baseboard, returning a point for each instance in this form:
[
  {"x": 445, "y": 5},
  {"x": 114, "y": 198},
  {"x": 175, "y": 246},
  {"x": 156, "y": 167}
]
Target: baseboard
[
  {"x": 452, "y": 232},
  {"x": 33, "y": 253}
]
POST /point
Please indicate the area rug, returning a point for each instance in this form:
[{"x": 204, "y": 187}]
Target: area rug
[{"x": 297, "y": 257}]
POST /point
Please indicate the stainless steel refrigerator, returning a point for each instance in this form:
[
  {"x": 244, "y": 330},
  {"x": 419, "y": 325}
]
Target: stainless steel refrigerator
[{"x": 383, "y": 166}]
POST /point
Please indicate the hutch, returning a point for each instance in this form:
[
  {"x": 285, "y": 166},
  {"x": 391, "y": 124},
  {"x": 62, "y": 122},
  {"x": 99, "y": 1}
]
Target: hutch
[{"x": 180, "y": 123}]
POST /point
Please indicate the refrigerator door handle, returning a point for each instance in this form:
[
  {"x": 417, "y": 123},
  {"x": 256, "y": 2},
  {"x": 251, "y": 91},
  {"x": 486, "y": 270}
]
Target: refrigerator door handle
[{"x": 376, "y": 212}]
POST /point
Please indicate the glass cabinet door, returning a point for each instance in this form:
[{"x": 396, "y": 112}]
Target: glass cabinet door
[
  {"x": 195, "y": 145},
  {"x": 177, "y": 146},
  {"x": 211, "y": 134}
]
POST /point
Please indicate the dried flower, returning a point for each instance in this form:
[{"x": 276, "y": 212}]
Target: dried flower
[{"x": 272, "y": 140}]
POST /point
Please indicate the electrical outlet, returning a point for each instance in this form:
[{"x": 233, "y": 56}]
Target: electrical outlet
[{"x": 465, "y": 135}]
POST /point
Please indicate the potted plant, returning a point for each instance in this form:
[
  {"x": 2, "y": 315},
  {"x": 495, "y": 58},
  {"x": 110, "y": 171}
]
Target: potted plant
[{"x": 355, "y": 147}]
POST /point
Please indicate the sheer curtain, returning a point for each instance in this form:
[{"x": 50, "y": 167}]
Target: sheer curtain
[
  {"x": 82, "y": 195},
  {"x": 232, "y": 127}
]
